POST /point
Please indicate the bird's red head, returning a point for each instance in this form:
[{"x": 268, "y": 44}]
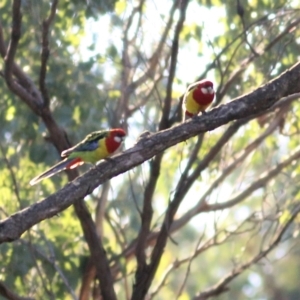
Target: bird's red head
[
  {"x": 114, "y": 140},
  {"x": 204, "y": 92}
]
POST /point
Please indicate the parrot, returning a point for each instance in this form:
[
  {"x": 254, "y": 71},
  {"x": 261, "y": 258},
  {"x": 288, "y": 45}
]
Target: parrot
[
  {"x": 197, "y": 97},
  {"x": 94, "y": 147}
]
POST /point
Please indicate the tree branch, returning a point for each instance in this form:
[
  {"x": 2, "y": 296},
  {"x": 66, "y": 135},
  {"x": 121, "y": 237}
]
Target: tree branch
[
  {"x": 28, "y": 93},
  {"x": 257, "y": 101},
  {"x": 15, "y": 87},
  {"x": 8, "y": 294},
  {"x": 243, "y": 65},
  {"x": 261, "y": 182},
  {"x": 33, "y": 98},
  {"x": 14, "y": 40},
  {"x": 164, "y": 123},
  {"x": 143, "y": 278},
  {"x": 222, "y": 285},
  {"x": 153, "y": 61},
  {"x": 45, "y": 52},
  {"x": 201, "y": 205},
  {"x": 173, "y": 206}
]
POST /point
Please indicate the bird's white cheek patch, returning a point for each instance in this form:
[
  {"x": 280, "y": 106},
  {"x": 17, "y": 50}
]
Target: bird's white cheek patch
[
  {"x": 211, "y": 90},
  {"x": 204, "y": 90},
  {"x": 117, "y": 139}
]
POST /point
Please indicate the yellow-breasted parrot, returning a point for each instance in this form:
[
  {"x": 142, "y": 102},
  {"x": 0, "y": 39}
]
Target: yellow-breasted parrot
[
  {"x": 95, "y": 146},
  {"x": 197, "y": 97}
]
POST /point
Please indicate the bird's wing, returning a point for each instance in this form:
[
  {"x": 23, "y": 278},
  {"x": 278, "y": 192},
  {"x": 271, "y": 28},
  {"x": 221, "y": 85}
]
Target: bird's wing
[{"x": 90, "y": 143}]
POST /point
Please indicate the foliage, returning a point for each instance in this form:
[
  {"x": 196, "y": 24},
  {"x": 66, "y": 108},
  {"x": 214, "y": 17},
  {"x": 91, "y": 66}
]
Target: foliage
[{"x": 233, "y": 191}]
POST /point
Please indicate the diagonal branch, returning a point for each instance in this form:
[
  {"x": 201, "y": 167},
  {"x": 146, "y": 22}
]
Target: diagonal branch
[
  {"x": 201, "y": 205},
  {"x": 148, "y": 146},
  {"x": 172, "y": 209},
  {"x": 10, "y": 295},
  {"x": 261, "y": 182},
  {"x": 223, "y": 88}
]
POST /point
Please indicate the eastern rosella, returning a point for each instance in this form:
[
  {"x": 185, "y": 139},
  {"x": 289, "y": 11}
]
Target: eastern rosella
[
  {"x": 95, "y": 146},
  {"x": 197, "y": 97}
]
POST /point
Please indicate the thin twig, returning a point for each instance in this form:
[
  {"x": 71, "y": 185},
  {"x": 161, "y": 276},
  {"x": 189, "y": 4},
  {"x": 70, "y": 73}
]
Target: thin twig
[
  {"x": 45, "y": 52},
  {"x": 222, "y": 285},
  {"x": 12, "y": 175}
]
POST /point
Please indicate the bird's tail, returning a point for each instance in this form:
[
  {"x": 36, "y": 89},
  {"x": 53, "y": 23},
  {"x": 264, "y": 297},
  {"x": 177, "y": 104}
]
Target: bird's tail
[{"x": 68, "y": 163}]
